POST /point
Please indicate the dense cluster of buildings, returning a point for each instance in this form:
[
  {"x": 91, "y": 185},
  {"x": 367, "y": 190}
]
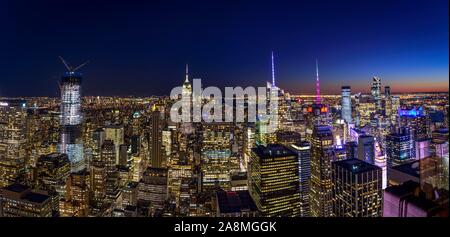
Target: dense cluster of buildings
[{"x": 351, "y": 155}]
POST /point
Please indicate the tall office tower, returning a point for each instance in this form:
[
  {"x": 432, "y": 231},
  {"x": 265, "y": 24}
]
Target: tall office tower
[
  {"x": 357, "y": 110},
  {"x": 263, "y": 134},
  {"x": 218, "y": 161},
  {"x": 366, "y": 109},
  {"x": 346, "y": 103},
  {"x": 387, "y": 102},
  {"x": 98, "y": 183},
  {"x": 376, "y": 93},
  {"x": 351, "y": 150},
  {"x": 98, "y": 137},
  {"x": 52, "y": 172},
  {"x": 303, "y": 150},
  {"x": 13, "y": 141},
  {"x": 71, "y": 142},
  {"x": 322, "y": 154},
  {"x": 17, "y": 200},
  {"x": 123, "y": 155},
  {"x": 381, "y": 161},
  {"x": 108, "y": 156},
  {"x": 156, "y": 127},
  {"x": 357, "y": 189},
  {"x": 395, "y": 107},
  {"x": 249, "y": 143},
  {"x": 366, "y": 148},
  {"x": 274, "y": 180},
  {"x": 399, "y": 147},
  {"x": 152, "y": 188},
  {"x": 417, "y": 120},
  {"x": 130, "y": 194},
  {"x": 115, "y": 133},
  {"x": 76, "y": 200}
]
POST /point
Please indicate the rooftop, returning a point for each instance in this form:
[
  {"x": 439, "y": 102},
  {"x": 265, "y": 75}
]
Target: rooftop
[
  {"x": 411, "y": 168},
  {"x": 232, "y": 202},
  {"x": 356, "y": 166},
  {"x": 273, "y": 151}
]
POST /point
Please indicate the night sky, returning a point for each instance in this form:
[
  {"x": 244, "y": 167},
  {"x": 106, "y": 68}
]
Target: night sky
[{"x": 140, "y": 48}]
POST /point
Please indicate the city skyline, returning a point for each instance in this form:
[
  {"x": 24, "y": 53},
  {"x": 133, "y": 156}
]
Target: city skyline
[{"x": 146, "y": 44}]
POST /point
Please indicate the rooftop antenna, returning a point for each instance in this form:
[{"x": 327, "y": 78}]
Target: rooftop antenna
[
  {"x": 187, "y": 73},
  {"x": 317, "y": 84},
  {"x": 273, "y": 71}
]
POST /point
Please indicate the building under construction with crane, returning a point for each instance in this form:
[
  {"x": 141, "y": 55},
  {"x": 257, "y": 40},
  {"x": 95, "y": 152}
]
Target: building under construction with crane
[{"x": 71, "y": 142}]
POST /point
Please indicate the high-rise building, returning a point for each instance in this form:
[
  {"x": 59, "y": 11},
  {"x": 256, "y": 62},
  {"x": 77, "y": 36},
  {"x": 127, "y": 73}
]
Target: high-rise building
[
  {"x": 366, "y": 148},
  {"x": 218, "y": 161},
  {"x": 52, "y": 172},
  {"x": 130, "y": 194},
  {"x": 303, "y": 150},
  {"x": 376, "y": 93},
  {"x": 322, "y": 154},
  {"x": 18, "y": 200},
  {"x": 399, "y": 147},
  {"x": 417, "y": 121},
  {"x": 115, "y": 133},
  {"x": 156, "y": 127},
  {"x": 76, "y": 200},
  {"x": 108, "y": 156},
  {"x": 13, "y": 140},
  {"x": 388, "y": 102},
  {"x": 357, "y": 189},
  {"x": 346, "y": 103},
  {"x": 351, "y": 150},
  {"x": 395, "y": 100},
  {"x": 71, "y": 142},
  {"x": 274, "y": 180},
  {"x": 152, "y": 188}
]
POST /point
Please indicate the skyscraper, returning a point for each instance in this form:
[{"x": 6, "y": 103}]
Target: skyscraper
[
  {"x": 357, "y": 189},
  {"x": 322, "y": 154},
  {"x": 387, "y": 102},
  {"x": 156, "y": 127},
  {"x": 346, "y": 103},
  {"x": 366, "y": 148},
  {"x": 108, "y": 156},
  {"x": 274, "y": 180},
  {"x": 116, "y": 134},
  {"x": 303, "y": 150},
  {"x": 71, "y": 142},
  {"x": 153, "y": 188},
  {"x": 399, "y": 147},
  {"x": 13, "y": 140},
  {"x": 376, "y": 93}
]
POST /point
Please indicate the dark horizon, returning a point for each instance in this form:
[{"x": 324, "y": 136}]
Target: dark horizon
[{"x": 141, "y": 48}]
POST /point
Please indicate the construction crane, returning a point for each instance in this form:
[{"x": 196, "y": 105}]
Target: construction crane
[{"x": 71, "y": 69}]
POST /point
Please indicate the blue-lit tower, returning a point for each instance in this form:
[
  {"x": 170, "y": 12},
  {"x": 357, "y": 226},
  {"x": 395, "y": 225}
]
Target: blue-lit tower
[{"x": 71, "y": 142}]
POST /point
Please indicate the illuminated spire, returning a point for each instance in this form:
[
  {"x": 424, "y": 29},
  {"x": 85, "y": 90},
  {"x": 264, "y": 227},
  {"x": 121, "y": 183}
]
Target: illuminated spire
[
  {"x": 187, "y": 73},
  {"x": 273, "y": 71},
  {"x": 317, "y": 84}
]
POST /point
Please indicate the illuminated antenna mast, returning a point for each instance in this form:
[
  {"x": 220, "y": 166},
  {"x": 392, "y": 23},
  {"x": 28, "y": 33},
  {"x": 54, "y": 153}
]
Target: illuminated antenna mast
[
  {"x": 273, "y": 71},
  {"x": 187, "y": 73},
  {"x": 317, "y": 84}
]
